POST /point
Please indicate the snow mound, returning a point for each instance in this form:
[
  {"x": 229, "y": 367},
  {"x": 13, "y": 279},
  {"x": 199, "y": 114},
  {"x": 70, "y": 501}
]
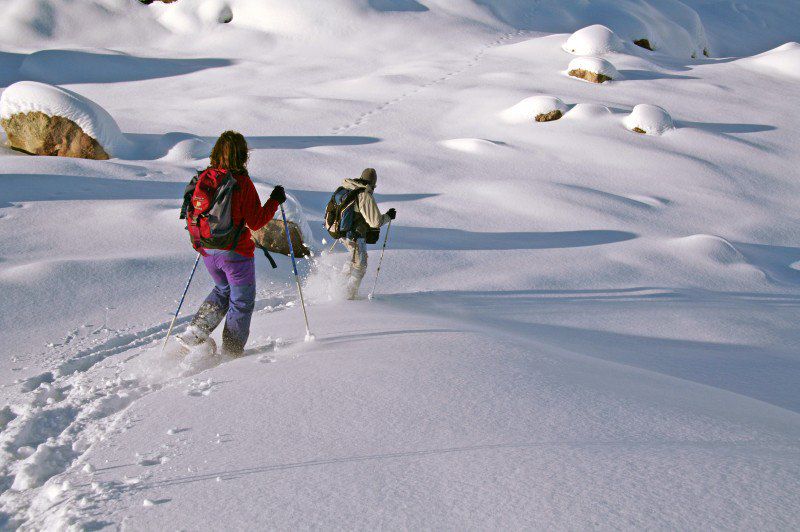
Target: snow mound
[
  {"x": 649, "y": 119},
  {"x": 594, "y": 40},
  {"x": 783, "y": 60},
  {"x": 587, "y": 111},
  {"x": 471, "y": 145},
  {"x": 31, "y": 96},
  {"x": 190, "y": 149},
  {"x": 708, "y": 248},
  {"x": 594, "y": 69},
  {"x": 533, "y": 108}
]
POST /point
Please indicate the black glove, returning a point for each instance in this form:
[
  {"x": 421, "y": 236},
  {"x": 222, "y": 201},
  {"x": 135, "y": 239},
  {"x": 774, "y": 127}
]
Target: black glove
[
  {"x": 278, "y": 194},
  {"x": 391, "y": 213}
]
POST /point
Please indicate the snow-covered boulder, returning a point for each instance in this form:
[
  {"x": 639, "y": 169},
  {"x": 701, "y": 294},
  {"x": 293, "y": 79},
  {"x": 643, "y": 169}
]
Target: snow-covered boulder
[
  {"x": 535, "y": 108},
  {"x": 649, "y": 120},
  {"x": 273, "y": 235},
  {"x": 593, "y": 40},
  {"x": 592, "y": 69},
  {"x": 45, "y": 119}
]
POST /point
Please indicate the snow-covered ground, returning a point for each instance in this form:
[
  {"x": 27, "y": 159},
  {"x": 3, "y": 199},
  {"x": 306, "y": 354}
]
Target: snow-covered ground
[{"x": 576, "y": 326}]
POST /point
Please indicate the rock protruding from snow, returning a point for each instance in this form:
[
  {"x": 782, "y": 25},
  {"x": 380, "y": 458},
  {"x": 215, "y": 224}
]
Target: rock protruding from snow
[
  {"x": 594, "y": 40},
  {"x": 273, "y": 235},
  {"x": 592, "y": 69},
  {"x": 649, "y": 120},
  {"x": 45, "y": 119},
  {"x": 36, "y": 133},
  {"x": 215, "y": 11},
  {"x": 535, "y": 109}
]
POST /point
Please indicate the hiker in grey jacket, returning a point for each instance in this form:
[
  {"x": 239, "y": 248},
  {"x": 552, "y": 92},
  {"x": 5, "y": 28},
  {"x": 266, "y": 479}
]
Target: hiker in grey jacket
[{"x": 370, "y": 218}]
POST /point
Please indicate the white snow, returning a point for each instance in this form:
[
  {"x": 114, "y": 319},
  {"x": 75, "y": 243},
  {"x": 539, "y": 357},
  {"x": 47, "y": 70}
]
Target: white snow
[
  {"x": 783, "y": 60},
  {"x": 598, "y": 65},
  {"x": 32, "y": 96},
  {"x": 574, "y": 327},
  {"x": 528, "y": 109},
  {"x": 588, "y": 111},
  {"x": 653, "y": 119},
  {"x": 477, "y": 146},
  {"x": 593, "y": 40}
]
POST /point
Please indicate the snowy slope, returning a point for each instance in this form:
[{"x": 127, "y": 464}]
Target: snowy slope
[{"x": 576, "y": 325}]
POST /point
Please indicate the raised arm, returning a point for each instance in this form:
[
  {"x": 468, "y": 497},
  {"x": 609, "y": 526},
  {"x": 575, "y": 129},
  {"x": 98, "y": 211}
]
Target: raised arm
[
  {"x": 256, "y": 215},
  {"x": 369, "y": 210}
]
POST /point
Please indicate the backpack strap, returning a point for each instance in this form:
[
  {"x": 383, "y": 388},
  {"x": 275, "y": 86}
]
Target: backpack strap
[
  {"x": 187, "y": 194},
  {"x": 268, "y": 256}
]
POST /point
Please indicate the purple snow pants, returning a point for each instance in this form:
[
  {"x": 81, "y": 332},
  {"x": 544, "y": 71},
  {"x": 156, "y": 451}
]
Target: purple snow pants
[{"x": 233, "y": 298}]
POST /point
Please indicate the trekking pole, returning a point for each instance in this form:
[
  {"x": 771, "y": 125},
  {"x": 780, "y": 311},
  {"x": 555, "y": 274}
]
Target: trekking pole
[
  {"x": 180, "y": 304},
  {"x": 385, "y": 239},
  {"x": 309, "y": 336}
]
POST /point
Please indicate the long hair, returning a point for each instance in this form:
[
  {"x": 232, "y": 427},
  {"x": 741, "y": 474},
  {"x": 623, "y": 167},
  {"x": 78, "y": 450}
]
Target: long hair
[{"x": 230, "y": 152}]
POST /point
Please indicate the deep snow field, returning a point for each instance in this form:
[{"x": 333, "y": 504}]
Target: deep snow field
[{"x": 576, "y": 326}]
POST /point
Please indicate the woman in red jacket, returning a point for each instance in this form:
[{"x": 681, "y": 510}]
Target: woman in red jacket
[{"x": 233, "y": 270}]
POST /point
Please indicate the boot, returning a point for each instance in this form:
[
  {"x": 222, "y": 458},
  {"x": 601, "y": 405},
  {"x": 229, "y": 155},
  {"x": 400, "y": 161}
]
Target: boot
[
  {"x": 193, "y": 335},
  {"x": 353, "y": 285},
  {"x": 232, "y": 346}
]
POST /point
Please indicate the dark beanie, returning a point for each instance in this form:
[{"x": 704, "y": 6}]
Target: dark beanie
[{"x": 370, "y": 176}]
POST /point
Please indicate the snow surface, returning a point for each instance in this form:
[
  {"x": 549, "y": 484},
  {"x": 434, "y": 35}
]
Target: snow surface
[
  {"x": 31, "y": 96},
  {"x": 574, "y": 327}
]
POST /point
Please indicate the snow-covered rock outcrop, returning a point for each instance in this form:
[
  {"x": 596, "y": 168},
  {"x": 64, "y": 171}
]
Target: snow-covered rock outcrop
[
  {"x": 45, "y": 119},
  {"x": 592, "y": 69},
  {"x": 649, "y": 120},
  {"x": 594, "y": 40},
  {"x": 535, "y": 108}
]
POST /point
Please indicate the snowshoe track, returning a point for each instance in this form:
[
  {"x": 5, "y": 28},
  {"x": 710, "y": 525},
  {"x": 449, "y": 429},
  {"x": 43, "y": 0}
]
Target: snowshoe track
[{"x": 59, "y": 413}]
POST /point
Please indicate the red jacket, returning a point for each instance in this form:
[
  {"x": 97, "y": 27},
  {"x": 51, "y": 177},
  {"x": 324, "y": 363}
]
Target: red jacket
[{"x": 247, "y": 206}]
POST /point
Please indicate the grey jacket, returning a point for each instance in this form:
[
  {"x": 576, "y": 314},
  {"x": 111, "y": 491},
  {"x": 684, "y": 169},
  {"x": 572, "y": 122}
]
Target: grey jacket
[{"x": 366, "y": 204}]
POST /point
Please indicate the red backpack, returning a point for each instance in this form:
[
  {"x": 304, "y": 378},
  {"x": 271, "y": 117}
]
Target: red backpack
[{"x": 208, "y": 210}]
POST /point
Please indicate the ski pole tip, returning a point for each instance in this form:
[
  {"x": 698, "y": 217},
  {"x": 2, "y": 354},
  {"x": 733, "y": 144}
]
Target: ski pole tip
[{"x": 310, "y": 337}]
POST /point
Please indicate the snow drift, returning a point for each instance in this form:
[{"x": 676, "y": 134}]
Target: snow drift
[{"x": 782, "y": 61}]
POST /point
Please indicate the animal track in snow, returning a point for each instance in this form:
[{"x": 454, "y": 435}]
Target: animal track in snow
[{"x": 470, "y": 64}]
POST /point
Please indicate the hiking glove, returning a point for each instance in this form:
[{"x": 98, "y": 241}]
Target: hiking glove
[
  {"x": 391, "y": 213},
  {"x": 278, "y": 194}
]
